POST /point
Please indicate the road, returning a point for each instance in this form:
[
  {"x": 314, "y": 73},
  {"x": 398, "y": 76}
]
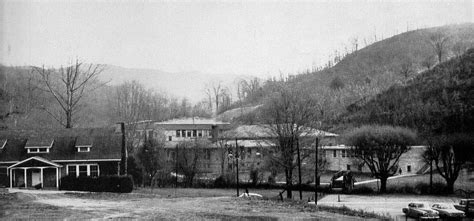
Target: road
[{"x": 390, "y": 205}]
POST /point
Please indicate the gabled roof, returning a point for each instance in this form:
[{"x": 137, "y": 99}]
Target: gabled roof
[
  {"x": 40, "y": 159},
  {"x": 107, "y": 144}
]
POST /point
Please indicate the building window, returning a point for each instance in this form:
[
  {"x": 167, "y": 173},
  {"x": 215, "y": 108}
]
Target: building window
[
  {"x": 200, "y": 133},
  {"x": 408, "y": 168},
  {"x": 360, "y": 167},
  {"x": 83, "y": 170},
  {"x": 334, "y": 153},
  {"x": 170, "y": 138},
  {"x": 83, "y": 149},
  {"x": 194, "y": 133},
  {"x": 178, "y": 133},
  {"x": 183, "y": 133},
  {"x": 189, "y": 133},
  {"x": 38, "y": 150},
  {"x": 343, "y": 153},
  {"x": 94, "y": 170},
  {"x": 72, "y": 170},
  {"x": 348, "y": 167}
]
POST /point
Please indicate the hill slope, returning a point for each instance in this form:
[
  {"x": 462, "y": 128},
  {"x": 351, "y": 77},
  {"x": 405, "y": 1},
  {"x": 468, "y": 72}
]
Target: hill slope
[{"x": 440, "y": 100}]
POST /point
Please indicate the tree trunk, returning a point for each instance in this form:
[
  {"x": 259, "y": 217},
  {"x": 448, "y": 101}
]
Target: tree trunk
[
  {"x": 383, "y": 184},
  {"x": 68, "y": 119},
  {"x": 289, "y": 183},
  {"x": 450, "y": 185}
]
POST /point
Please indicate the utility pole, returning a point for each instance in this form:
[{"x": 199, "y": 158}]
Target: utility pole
[
  {"x": 316, "y": 171},
  {"x": 176, "y": 170},
  {"x": 237, "y": 160},
  {"x": 299, "y": 167}
]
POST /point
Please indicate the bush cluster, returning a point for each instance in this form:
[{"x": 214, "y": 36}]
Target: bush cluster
[
  {"x": 117, "y": 184},
  {"x": 420, "y": 188}
]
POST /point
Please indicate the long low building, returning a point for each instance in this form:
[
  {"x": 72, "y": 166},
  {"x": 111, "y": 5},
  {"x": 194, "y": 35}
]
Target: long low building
[{"x": 39, "y": 158}]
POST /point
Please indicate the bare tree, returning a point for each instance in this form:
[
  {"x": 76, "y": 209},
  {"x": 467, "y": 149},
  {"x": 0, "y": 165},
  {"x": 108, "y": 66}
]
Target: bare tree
[
  {"x": 68, "y": 86},
  {"x": 438, "y": 42},
  {"x": 428, "y": 62},
  {"x": 286, "y": 113}
]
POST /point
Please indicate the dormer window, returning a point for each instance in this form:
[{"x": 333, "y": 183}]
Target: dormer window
[
  {"x": 83, "y": 144},
  {"x": 83, "y": 148},
  {"x": 38, "y": 145},
  {"x": 38, "y": 150}
]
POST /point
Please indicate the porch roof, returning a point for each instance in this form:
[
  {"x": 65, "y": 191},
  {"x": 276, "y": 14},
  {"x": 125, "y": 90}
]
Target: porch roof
[{"x": 39, "y": 159}]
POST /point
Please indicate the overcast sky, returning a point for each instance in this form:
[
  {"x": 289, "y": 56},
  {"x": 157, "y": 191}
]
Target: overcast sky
[{"x": 238, "y": 37}]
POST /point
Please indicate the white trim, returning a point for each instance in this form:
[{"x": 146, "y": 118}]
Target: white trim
[
  {"x": 10, "y": 161},
  {"x": 4, "y": 144},
  {"x": 65, "y": 161},
  {"x": 39, "y": 159}
]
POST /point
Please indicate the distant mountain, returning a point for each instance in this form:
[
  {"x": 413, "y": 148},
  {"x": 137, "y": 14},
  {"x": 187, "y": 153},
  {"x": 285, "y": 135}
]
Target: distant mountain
[{"x": 183, "y": 84}]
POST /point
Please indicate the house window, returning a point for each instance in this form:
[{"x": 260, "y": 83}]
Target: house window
[
  {"x": 343, "y": 153},
  {"x": 38, "y": 150},
  {"x": 408, "y": 168},
  {"x": 178, "y": 133},
  {"x": 334, "y": 153},
  {"x": 200, "y": 133},
  {"x": 189, "y": 133},
  {"x": 72, "y": 170},
  {"x": 348, "y": 167},
  {"x": 82, "y": 170},
  {"x": 183, "y": 133},
  {"x": 83, "y": 149},
  {"x": 170, "y": 138},
  {"x": 194, "y": 133},
  {"x": 94, "y": 170}
]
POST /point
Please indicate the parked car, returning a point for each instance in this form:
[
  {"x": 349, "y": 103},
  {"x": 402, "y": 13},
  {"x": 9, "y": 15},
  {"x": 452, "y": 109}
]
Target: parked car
[
  {"x": 420, "y": 210},
  {"x": 446, "y": 210},
  {"x": 463, "y": 206}
]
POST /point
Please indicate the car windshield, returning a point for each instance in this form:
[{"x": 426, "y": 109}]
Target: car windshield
[
  {"x": 418, "y": 205},
  {"x": 443, "y": 206}
]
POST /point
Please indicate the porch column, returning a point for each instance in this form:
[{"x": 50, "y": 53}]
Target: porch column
[
  {"x": 11, "y": 178},
  {"x": 57, "y": 177},
  {"x": 26, "y": 180},
  {"x": 41, "y": 177}
]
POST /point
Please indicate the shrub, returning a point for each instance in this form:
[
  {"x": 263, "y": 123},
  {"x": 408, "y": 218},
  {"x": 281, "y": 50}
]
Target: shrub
[
  {"x": 117, "y": 184},
  {"x": 362, "y": 190}
]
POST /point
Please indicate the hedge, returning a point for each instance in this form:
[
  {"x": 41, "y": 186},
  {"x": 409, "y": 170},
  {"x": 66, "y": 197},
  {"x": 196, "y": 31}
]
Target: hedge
[{"x": 117, "y": 184}]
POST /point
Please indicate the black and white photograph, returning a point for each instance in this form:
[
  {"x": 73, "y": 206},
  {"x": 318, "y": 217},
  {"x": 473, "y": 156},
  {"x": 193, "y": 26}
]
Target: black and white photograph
[{"x": 252, "y": 110}]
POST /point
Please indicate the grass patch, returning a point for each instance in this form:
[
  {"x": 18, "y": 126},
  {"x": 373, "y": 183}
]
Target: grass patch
[
  {"x": 354, "y": 212},
  {"x": 21, "y": 206}
]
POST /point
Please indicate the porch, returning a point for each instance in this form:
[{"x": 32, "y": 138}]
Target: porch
[{"x": 34, "y": 172}]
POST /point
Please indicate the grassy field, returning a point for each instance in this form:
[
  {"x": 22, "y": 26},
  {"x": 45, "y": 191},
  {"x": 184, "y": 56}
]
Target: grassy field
[{"x": 187, "y": 204}]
